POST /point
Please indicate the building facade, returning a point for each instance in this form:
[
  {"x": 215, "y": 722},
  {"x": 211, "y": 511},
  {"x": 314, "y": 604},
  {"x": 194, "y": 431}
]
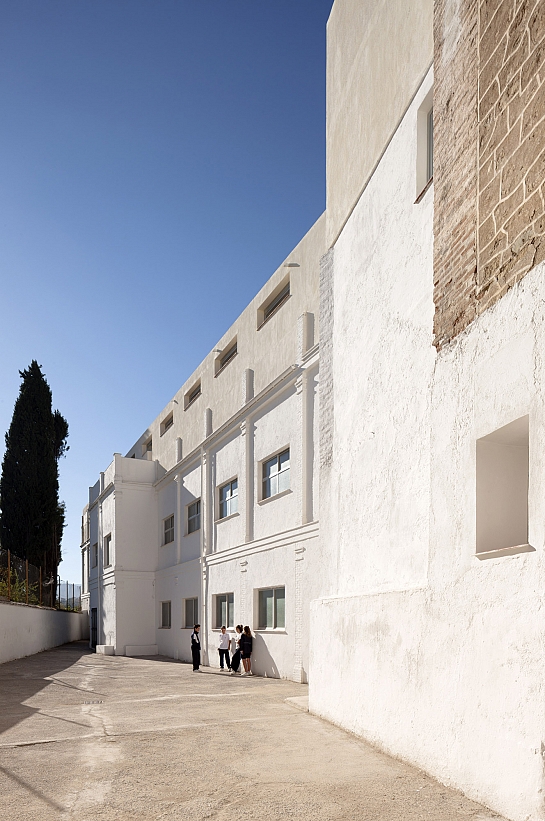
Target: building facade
[
  {"x": 211, "y": 516},
  {"x": 432, "y": 402},
  {"x": 417, "y": 304}
]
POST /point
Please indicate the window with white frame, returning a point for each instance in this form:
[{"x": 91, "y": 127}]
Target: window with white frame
[
  {"x": 228, "y": 499},
  {"x": 107, "y": 550},
  {"x": 224, "y": 611},
  {"x": 194, "y": 517},
  {"x": 276, "y": 474},
  {"x": 94, "y": 555},
  {"x": 168, "y": 530},
  {"x": 191, "y": 612},
  {"x": 272, "y": 609},
  {"x": 166, "y": 612}
]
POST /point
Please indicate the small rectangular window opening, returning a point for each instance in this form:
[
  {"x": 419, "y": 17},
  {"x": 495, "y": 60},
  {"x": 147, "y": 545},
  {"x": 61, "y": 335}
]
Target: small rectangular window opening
[
  {"x": 502, "y": 490},
  {"x": 430, "y": 145},
  {"x": 225, "y": 610},
  {"x": 191, "y": 395},
  {"x": 191, "y": 612},
  {"x": 272, "y": 609},
  {"x": 424, "y": 145},
  {"x": 276, "y": 474},
  {"x": 167, "y": 423},
  {"x": 279, "y": 296},
  {"x": 94, "y": 555},
  {"x": 166, "y": 612},
  {"x": 107, "y": 550},
  {"x": 228, "y": 499},
  {"x": 226, "y": 356},
  {"x": 194, "y": 517},
  {"x": 168, "y": 530}
]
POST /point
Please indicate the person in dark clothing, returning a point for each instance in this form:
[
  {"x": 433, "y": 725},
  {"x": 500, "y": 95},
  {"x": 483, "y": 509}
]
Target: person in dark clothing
[
  {"x": 246, "y": 642},
  {"x": 235, "y": 659},
  {"x": 196, "y": 647}
]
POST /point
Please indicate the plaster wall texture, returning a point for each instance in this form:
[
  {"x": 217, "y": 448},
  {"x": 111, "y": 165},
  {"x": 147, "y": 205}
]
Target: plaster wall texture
[
  {"x": 276, "y": 428},
  {"x": 175, "y": 584},
  {"x": 377, "y": 56},
  {"x": 289, "y": 561},
  {"x": 267, "y": 352},
  {"x": 25, "y": 630},
  {"x": 438, "y": 661}
]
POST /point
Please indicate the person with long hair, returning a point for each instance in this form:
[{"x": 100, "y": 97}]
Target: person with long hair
[
  {"x": 235, "y": 659},
  {"x": 246, "y": 642}
]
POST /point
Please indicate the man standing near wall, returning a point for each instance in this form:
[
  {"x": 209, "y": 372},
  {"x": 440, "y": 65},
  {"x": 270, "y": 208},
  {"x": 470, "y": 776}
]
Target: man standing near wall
[{"x": 196, "y": 647}]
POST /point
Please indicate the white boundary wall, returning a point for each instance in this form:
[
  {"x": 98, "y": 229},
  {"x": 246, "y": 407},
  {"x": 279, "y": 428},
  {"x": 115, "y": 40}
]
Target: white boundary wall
[{"x": 25, "y": 630}]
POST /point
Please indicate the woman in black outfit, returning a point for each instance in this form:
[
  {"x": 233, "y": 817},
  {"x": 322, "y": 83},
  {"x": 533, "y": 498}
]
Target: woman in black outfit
[
  {"x": 235, "y": 660},
  {"x": 246, "y": 642}
]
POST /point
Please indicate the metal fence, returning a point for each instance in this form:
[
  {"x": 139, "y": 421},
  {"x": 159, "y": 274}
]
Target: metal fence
[{"x": 24, "y": 583}]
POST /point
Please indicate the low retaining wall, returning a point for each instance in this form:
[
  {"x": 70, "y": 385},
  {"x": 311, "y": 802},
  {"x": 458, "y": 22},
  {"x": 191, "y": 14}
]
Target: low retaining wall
[{"x": 25, "y": 630}]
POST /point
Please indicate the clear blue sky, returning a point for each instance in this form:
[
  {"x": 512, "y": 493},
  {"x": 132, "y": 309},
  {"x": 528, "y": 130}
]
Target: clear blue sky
[{"x": 159, "y": 159}]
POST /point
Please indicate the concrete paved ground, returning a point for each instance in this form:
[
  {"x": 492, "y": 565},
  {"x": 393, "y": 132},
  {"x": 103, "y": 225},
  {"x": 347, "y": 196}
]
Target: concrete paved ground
[{"x": 99, "y": 738}]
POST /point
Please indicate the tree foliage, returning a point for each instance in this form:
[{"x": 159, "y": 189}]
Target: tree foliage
[{"x": 31, "y": 515}]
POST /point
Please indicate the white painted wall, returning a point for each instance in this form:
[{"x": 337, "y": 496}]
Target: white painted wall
[
  {"x": 440, "y": 655},
  {"x": 25, "y": 630}
]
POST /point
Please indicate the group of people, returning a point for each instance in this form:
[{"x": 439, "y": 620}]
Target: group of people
[{"x": 240, "y": 645}]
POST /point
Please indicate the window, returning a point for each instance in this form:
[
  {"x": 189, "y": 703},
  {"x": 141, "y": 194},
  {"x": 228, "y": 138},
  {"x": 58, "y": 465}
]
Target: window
[
  {"x": 424, "y": 145},
  {"x": 168, "y": 530},
  {"x": 191, "y": 395},
  {"x": 502, "y": 490},
  {"x": 147, "y": 446},
  {"x": 429, "y": 168},
  {"x": 276, "y": 474},
  {"x": 277, "y": 301},
  {"x": 94, "y": 555},
  {"x": 191, "y": 612},
  {"x": 194, "y": 517},
  {"x": 228, "y": 499},
  {"x": 279, "y": 296},
  {"x": 272, "y": 609},
  {"x": 107, "y": 550},
  {"x": 165, "y": 614},
  {"x": 225, "y": 610},
  {"x": 226, "y": 356},
  {"x": 167, "y": 423}
]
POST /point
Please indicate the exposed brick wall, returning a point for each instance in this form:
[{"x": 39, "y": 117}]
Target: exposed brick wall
[
  {"x": 489, "y": 174},
  {"x": 511, "y": 144},
  {"x": 455, "y": 166}
]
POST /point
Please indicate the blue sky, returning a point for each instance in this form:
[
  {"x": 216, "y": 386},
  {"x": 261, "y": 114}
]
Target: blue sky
[{"x": 159, "y": 159}]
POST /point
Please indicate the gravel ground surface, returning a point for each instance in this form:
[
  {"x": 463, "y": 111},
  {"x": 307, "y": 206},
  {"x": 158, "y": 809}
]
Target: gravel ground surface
[{"x": 104, "y": 738}]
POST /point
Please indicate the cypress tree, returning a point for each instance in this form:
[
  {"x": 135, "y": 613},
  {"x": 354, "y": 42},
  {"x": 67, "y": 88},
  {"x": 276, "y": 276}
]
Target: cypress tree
[{"x": 31, "y": 516}]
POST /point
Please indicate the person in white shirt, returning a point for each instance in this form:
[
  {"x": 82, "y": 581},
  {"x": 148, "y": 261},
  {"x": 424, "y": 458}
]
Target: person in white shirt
[{"x": 224, "y": 642}]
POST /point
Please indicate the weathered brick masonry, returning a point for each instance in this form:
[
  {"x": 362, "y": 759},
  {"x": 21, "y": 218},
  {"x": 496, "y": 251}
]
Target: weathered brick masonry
[
  {"x": 490, "y": 153},
  {"x": 455, "y": 165}
]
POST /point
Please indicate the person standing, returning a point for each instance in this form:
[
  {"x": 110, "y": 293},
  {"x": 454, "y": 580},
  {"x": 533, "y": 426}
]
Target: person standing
[
  {"x": 235, "y": 661},
  {"x": 224, "y": 642},
  {"x": 246, "y": 642},
  {"x": 196, "y": 647}
]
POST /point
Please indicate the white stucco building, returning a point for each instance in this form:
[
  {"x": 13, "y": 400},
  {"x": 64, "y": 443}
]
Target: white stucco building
[
  {"x": 212, "y": 514},
  {"x": 405, "y": 395}
]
